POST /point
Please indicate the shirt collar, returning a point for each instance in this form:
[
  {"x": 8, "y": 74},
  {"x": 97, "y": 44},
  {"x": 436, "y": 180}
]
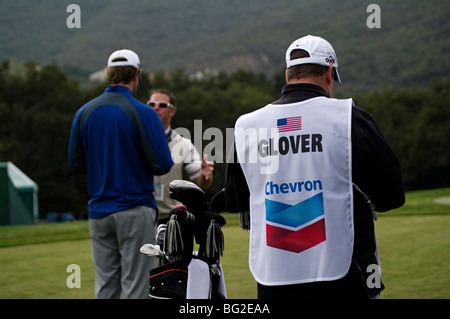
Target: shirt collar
[
  {"x": 118, "y": 89},
  {"x": 300, "y": 92}
]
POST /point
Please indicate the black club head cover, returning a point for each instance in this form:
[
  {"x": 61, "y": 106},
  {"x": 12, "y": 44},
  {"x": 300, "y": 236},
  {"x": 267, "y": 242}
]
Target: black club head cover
[
  {"x": 209, "y": 236},
  {"x": 183, "y": 216},
  {"x": 173, "y": 241}
]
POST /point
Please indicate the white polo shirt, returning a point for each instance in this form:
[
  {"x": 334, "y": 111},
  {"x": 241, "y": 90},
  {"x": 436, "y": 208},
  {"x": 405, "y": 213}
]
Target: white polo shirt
[{"x": 184, "y": 156}]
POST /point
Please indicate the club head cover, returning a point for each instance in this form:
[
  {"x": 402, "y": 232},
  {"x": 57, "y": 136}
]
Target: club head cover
[
  {"x": 173, "y": 241},
  {"x": 214, "y": 244},
  {"x": 207, "y": 216},
  {"x": 203, "y": 235},
  {"x": 188, "y": 193},
  {"x": 183, "y": 216}
]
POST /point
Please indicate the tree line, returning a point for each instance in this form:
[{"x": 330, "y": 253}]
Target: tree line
[{"x": 38, "y": 104}]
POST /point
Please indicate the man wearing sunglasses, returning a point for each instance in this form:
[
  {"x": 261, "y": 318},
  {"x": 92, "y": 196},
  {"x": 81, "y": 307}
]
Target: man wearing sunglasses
[{"x": 184, "y": 155}]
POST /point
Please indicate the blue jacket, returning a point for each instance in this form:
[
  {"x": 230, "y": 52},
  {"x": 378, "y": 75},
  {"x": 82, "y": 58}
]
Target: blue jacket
[{"x": 120, "y": 143}]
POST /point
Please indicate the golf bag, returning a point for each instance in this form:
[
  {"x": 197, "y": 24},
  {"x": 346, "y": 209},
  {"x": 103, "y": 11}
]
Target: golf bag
[{"x": 182, "y": 273}]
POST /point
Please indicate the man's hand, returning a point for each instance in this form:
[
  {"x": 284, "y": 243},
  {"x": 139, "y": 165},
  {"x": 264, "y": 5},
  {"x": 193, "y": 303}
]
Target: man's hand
[
  {"x": 206, "y": 177},
  {"x": 207, "y": 168}
]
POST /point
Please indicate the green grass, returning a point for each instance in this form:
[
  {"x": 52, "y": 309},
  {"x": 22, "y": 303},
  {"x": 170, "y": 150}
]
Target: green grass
[
  {"x": 415, "y": 256},
  {"x": 43, "y": 233},
  {"x": 38, "y": 271},
  {"x": 414, "y": 248},
  {"x": 424, "y": 203}
]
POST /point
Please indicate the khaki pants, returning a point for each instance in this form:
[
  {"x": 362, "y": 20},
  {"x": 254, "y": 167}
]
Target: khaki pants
[{"x": 119, "y": 265}]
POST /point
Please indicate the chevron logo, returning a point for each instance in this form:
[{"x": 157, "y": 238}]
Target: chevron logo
[{"x": 295, "y": 228}]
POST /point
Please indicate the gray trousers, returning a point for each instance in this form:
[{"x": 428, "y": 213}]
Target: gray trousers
[{"x": 119, "y": 265}]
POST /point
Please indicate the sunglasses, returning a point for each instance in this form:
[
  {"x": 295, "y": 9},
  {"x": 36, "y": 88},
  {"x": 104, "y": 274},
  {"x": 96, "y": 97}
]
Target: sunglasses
[{"x": 162, "y": 105}]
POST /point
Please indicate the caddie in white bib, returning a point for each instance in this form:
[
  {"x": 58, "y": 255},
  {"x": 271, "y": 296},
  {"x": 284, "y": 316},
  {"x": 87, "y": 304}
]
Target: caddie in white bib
[{"x": 298, "y": 168}]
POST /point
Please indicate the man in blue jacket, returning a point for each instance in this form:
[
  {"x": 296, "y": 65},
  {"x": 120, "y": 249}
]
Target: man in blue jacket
[{"x": 120, "y": 143}]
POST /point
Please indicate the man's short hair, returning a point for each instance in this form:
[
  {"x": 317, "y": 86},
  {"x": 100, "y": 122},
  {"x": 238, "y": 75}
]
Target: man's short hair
[
  {"x": 165, "y": 92},
  {"x": 304, "y": 70},
  {"x": 120, "y": 74}
]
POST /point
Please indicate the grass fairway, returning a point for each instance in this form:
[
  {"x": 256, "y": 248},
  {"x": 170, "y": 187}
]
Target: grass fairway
[
  {"x": 414, "y": 247},
  {"x": 415, "y": 256}
]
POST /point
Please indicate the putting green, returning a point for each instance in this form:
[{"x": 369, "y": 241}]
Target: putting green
[{"x": 442, "y": 200}]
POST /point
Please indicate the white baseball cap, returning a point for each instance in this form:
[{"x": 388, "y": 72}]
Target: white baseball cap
[
  {"x": 124, "y": 57},
  {"x": 320, "y": 52}
]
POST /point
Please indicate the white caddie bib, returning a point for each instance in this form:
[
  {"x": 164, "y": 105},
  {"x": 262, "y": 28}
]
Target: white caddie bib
[{"x": 296, "y": 159}]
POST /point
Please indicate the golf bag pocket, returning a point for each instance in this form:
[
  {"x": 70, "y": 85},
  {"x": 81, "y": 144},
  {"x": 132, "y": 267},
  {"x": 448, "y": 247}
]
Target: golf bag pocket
[{"x": 168, "y": 281}]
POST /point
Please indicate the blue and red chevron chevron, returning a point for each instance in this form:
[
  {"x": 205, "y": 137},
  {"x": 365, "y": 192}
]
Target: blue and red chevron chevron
[{"x": 297, "y": 227}]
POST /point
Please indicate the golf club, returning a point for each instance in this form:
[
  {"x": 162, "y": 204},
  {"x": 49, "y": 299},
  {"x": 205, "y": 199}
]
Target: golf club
[{"x": 154, "y": 251}]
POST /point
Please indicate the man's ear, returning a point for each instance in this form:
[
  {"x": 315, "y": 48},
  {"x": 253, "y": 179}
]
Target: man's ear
[
  {"x": 138, "y": 73},
  {"x": 330, "y": 75}
]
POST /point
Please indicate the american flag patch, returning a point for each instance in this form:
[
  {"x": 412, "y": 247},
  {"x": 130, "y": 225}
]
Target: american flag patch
[{"x": 289, "y": 124}]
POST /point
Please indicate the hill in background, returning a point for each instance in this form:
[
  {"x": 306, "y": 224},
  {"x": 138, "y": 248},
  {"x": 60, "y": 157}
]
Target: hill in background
[{"x": 409, "y": 50}]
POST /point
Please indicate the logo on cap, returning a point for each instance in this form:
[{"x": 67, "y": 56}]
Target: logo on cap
[{"x": 330, "y": 60}]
